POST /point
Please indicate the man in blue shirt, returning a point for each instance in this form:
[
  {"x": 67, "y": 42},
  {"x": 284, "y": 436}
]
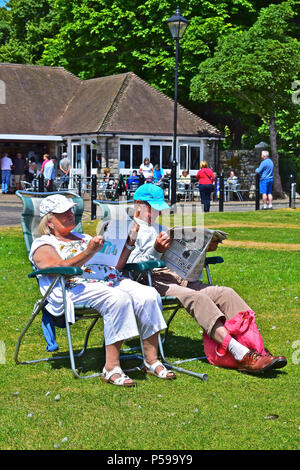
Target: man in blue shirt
[
  {"x": 49, "y": 174},
  {"x": 265, "y": 170}
]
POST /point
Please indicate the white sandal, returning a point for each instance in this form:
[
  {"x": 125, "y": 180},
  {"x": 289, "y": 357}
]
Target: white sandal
[
  {"x": 106, "y": 377},
  {"x": 163, "y": 374}
]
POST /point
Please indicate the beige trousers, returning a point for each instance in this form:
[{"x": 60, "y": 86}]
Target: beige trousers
[{"x": 205, "y": 303}]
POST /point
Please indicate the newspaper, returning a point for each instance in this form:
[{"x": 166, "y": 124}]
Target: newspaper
[
  {"x": 114, "y": 226},
  {"x": 187, "y": 252}
]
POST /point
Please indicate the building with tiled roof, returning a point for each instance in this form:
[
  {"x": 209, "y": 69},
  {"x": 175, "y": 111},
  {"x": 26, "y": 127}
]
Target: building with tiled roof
[{"x": 113, "y": 121}]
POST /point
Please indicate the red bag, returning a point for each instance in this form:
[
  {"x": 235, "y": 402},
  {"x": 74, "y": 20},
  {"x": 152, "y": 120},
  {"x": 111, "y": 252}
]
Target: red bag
[{"x": 241, "y": 327}]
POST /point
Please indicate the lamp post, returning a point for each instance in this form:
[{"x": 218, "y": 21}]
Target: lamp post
[{"x": 177, "y": 25}]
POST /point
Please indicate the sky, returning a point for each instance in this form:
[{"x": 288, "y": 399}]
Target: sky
[{"x": 2, "y": 2}]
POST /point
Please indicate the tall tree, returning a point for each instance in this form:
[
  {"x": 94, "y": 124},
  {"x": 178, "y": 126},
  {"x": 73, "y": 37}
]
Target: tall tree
[
  {"x": 29, "y": 21},
  {"x": 103, "y": 37},
  {"x": 254, "y": 70},
  {"x": 5, "y": 28},
  {"x": 92, "y": 38}
]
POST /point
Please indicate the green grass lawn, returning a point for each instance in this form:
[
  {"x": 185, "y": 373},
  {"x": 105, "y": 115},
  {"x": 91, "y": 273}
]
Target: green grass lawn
[{"x": 43, "y": 406}]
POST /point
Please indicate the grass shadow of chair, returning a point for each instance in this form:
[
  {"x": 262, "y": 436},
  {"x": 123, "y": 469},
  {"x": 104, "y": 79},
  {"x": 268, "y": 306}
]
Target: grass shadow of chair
[{"x": 180, "y": 347}]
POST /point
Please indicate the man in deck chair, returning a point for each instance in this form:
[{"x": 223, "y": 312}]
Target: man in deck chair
[{"x": 210, "y": 305}]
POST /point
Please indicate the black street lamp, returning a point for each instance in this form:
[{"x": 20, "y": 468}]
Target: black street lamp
[{"x": 177, "y": 25}]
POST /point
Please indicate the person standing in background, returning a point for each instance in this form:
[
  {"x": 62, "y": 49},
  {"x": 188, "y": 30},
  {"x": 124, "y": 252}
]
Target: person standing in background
[
  {"x": 19, "y": 171},
  {"x": 49, "y": 174},
  {"x": 265, "y": 170},
  {"x": 6, "y": 167},
  {"x": 46, "y": 159},
  {"x": 65, "y": 169},
  {"x": 206, "y": 179}
]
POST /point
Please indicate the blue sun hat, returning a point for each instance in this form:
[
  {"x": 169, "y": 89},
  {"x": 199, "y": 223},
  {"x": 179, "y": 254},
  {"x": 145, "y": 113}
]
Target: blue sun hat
[{"x": 152, "y": 194}]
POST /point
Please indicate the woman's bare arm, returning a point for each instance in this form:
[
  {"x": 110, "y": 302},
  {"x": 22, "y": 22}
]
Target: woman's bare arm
[{"x": 47, "y": 257}]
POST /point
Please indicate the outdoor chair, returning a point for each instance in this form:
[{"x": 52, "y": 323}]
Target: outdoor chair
[
  {"x": 32, "y": 186},
  {"x": 30, "y": 219},
  {"x": 236, "y": 188},
  {"x": 138, "y": 270},
  {"x": 233, "y": 188},
  {"x": 184, "y": 191},
  {"x": 101, "y": 189}
]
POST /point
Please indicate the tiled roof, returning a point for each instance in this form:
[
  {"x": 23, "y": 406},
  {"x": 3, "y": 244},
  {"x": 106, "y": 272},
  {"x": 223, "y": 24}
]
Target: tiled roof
[
  {"x": 35, "y": 97},
  {"x": 52, "y": 101},
  {"x": 151, "y": 112}
]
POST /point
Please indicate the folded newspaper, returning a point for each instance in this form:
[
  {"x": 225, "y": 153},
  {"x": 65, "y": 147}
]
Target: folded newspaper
[{"x": 187, "y": 252}]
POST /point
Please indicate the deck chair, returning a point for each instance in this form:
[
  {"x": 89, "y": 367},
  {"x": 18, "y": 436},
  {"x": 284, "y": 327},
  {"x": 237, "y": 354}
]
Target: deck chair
[
  {"x": 172, "y": 304},
  {"x": 29, "y": 222},
  {"x": 136, "y": 270}
]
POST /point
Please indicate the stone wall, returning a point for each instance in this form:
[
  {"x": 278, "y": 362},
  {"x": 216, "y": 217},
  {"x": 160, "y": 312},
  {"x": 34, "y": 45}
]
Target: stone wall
[
  {"x": 108, "y": 147},
  {"x": 242, "y": 162},
  {"x": 210, "y": 154}
]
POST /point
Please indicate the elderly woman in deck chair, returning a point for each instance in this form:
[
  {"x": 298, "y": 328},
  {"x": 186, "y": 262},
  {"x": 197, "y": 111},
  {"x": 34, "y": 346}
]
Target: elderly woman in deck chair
[{"x": 120, "y": 301}]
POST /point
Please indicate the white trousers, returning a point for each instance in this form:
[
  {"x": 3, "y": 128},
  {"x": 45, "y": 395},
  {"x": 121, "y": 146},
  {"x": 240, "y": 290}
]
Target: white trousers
[{"x": 128, "y": 309}]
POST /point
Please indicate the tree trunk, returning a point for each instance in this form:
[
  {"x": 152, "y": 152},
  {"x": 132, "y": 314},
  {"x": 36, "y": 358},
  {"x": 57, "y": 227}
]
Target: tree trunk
[{"x": 277, "y": 186}]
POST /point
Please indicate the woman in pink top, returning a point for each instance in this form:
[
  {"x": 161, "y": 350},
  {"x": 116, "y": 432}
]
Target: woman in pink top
[
  {"x": 206, "y": 178},
  {"x": 46, "y": 159}
]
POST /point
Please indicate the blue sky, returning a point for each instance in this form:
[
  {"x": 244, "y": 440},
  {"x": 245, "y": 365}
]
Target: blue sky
[{"x": 2, "y": 2}]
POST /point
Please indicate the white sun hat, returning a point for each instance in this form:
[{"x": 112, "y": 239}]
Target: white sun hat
[{"x": 57, "y": 203}]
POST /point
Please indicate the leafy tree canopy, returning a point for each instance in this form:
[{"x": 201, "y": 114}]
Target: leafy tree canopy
[
  {"x": 92, "y": 38},
  {"x": 253, "y": 70},
  {"x": 102, "y": 37}
]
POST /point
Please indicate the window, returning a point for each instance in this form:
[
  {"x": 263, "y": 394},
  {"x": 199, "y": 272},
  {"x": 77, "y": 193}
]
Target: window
[
  {"x": 76, "y": 156},
  {"x": 189, "y": 157},
  {"x": 194, "y": 158},
  {"x": 131, "y": 155},
  {"x": 124, "y": 156},
  {"x": 137, "y": 156},
  {"x": 183, "y": 157},
  {"x": 155, "y": 154},
  {"x": 166, "y": 157}
]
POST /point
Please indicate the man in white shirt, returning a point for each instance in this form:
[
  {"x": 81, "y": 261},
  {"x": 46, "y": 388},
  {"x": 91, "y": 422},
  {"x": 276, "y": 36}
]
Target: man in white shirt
[
  {"x": 209, "y": 305},
  {"x": 6, "y": 167},
  {"x": 64, "y": 167}
]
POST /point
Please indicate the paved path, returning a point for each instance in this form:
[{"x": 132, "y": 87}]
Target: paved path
[{"x": 11, "y": 208}]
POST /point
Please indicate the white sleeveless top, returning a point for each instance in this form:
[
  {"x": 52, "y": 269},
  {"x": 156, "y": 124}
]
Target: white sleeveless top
[{"x": 107, "y": 275}]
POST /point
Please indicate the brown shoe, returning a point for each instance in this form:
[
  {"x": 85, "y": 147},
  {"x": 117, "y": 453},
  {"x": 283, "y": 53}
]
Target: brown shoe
[
  {"x": 256, "y": 363},
  {"x": 281, "y": 360}
]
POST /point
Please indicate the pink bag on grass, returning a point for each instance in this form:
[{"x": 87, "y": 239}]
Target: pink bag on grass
[{"x": 241, "y": 327}]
